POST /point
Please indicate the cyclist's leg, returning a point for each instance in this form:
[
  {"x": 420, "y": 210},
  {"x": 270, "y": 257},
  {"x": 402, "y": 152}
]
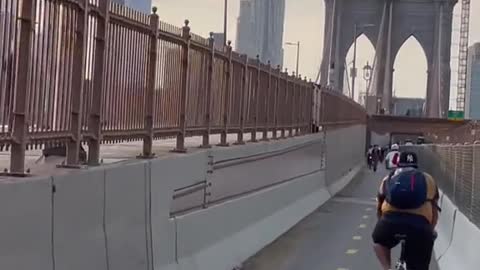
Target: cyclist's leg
[
  {"x": 384, "y": 240},
  {"x": 383, "y": 255},
  {"x": 419, "y": 248}
]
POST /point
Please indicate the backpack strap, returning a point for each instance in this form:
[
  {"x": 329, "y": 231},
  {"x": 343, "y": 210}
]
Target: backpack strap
[
  {"x": 432, "y": 201},
  {"x": 386, "y": 181}
]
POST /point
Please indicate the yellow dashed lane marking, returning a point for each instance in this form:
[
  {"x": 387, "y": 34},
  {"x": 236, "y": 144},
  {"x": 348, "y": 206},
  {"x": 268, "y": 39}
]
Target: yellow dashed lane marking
[
  {"x": 357, "y": 237},
  {"x": 351, "y": 251}
]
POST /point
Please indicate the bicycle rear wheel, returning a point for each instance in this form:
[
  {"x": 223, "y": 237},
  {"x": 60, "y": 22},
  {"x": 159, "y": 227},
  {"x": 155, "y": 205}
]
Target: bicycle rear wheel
[{"x": 401, "y": 266}]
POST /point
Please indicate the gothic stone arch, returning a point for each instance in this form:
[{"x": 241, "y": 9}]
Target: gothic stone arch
[{"x": 391, "y": 23}]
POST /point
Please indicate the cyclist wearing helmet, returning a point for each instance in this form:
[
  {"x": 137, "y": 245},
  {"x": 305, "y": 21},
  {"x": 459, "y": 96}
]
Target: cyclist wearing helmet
[
  {"x": 392, "y": 158},
  {"x": 407, "y": 205}
]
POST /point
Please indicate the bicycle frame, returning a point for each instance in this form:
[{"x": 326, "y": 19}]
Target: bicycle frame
[{"x": 401, "y": 264}]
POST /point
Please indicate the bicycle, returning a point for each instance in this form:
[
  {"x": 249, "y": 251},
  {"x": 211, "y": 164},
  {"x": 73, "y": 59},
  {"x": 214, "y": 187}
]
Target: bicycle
[{"x": 401, "y": 264}]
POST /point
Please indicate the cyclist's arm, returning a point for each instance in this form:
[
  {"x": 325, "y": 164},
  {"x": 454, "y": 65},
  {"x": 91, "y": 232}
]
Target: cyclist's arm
[
  {"x": 434, "y": 217},
  {"x": 380, "y": 200},
  {"x": 435, "y": 208},
  {"x": 379, "y": 206}
]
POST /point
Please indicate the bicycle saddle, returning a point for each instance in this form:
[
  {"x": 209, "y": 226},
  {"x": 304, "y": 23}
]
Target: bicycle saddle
[{"x": 400, "y": 237}]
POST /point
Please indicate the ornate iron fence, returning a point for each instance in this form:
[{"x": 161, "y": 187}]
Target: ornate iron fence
[{"x": 79, "y": 72}]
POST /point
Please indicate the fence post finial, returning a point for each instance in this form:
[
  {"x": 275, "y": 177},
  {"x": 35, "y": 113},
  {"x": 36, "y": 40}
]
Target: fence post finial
[
  {"x": 185, "y": 85},
  {"x": 150, "y": 92},
  {"x": 266, "y": 102},
  {"x": 226, "y": 97},
  {"x": 256, "y": 99},
  {"x": 99, "y": 84},
  {"x": 78, "y": 82},
  {"x": 209, "y": 89}
]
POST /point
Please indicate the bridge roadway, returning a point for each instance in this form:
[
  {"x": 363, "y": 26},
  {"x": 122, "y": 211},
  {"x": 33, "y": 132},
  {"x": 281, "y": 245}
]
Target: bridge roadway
[{"x": 337, "y": 236}]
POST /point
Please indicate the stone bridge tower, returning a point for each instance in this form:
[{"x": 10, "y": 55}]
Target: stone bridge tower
[{"x": 390, "y": 23}]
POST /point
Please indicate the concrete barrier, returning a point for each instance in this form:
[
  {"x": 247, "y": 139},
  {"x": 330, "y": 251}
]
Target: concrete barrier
[
  {"x": 26, "y": 224},
  {"x": 165, "y": 175},
  {"x": 236, "y": 176},
  {"x": 119, "y": 216},
  {"x": 125, "y": 216},
  {"x": 225, "y": 235},
  {"x": 345, "y": 149},
  {"x": 463, "y": 252},
  {"x": 79, "y": 232},
  {"x": 340, "y": 184},
  {"x": 445, "y": 226},
  {"x": 250, "y": 150}
]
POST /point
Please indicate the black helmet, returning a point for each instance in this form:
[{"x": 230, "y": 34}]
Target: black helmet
[{"x": 408, "y": 159}]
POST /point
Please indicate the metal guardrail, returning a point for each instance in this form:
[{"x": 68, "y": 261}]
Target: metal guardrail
[{"x": 456, "y": 168}]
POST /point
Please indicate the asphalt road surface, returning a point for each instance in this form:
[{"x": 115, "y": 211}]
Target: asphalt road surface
[{"x": 337, "y": 236}]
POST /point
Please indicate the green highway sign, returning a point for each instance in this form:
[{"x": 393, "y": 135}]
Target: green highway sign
[{"x": 456, "y": 115}]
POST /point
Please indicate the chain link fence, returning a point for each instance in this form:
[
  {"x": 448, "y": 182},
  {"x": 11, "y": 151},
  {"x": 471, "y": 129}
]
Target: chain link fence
[{"x": 456, "y": 168}]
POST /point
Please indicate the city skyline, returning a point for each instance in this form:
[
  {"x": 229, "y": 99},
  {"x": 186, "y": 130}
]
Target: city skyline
[
  {"x": 260, "y": 30},
  {"x": 219, "y": 38},
  {"x": 304, "y": 22},
  {"x": 144, "y": 6}
]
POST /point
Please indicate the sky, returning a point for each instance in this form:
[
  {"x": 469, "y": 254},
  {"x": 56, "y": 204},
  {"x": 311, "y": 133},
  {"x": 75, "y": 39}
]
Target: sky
[{"x": 304, "y": 22}]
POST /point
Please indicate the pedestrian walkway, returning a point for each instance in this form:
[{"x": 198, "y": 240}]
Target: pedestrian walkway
[{"x": 337, "y": 236}]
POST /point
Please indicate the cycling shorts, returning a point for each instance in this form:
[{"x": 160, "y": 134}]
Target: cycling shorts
[{"x": 420, "y": 237}]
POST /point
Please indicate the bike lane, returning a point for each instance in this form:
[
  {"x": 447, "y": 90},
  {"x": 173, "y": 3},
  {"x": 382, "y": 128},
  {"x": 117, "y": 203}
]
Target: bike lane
[{"x": 336, "y": 236}]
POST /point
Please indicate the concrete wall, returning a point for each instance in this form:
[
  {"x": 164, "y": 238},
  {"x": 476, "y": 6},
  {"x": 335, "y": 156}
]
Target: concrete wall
[
  {"x": 379, "y": 139},
  {"x": 345, "y": 149},
  {"x": 120, "y": 216}
]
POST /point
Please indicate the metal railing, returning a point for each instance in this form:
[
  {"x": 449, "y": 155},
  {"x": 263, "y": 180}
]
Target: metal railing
[
  {"x": 456, "y": 168},
  {"x": 79, "y": 72}
]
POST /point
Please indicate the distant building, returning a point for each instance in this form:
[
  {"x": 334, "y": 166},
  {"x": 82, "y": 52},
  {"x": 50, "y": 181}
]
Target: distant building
[
  {"x": 472, "y": 95},
  {"x": 144, "y": 6},
  {"x": 412, "y": 107},
  {"x": 260, "y": 30},
  {"x": 219, "y": 40}
]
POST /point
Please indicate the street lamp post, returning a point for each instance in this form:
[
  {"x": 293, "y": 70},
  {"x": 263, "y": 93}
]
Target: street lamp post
[
  {"x": 367, "y": 75},
  {"x": 354, "y": 68},
  {"x": 298, "y": 53},
  {"x": 225, "y": 22}
]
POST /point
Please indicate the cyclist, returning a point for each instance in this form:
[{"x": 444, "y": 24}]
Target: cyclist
[
  {"x": 370, "y": 157},
  {"x": 407, "y": 205},
  {"x": 375, "y": 157},
  {"x": 392, "y": 157}
]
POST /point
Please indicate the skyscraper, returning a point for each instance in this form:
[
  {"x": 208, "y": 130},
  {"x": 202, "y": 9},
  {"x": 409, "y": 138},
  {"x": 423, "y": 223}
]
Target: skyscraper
[
  {"x": 260, "y": 29},
  {"x": 144, "y": 6},
  {"x": 472, "y": 96},
  {"x": 219, "y": 40}
]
